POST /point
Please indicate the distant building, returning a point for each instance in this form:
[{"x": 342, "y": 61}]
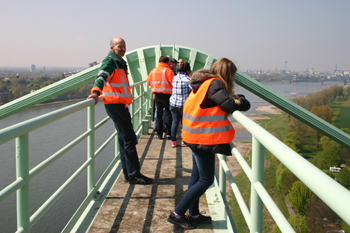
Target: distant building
[
  {"x": 32, "y": 68},
  {"x": 93, "y": 63}
]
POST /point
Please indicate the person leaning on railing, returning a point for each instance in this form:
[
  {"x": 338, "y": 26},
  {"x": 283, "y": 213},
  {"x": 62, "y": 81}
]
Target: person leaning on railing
[
  {"x": 207, "y": 131},
  {"x": 113, "y": 82}
]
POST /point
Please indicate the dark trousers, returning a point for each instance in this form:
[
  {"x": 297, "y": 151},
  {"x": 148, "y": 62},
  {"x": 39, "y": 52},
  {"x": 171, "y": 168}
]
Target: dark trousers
[
  {"x": 127, "y": 139},
  {"x": 162, "y": 101},
  {"x": 201, "y": 178}
]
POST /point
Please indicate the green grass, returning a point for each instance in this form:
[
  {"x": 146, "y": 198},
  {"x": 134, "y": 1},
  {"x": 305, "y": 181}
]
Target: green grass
[
  {"x": 341, "y": 111},
  {"x": 276, "y": 125},
  {"x": 311, "y": 153},
  {"x": 244, "y": 187},
  {"x": 345, "y": 226},
  {"x": 270, "y": 179}
]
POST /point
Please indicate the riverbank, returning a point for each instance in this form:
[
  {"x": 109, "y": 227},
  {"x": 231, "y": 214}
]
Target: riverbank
[{"x": 269, "y": 109}]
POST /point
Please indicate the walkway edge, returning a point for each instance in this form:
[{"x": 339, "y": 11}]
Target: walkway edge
[
  {"x": 220, "y": 221},
  {"x": 88, "y": 216}
]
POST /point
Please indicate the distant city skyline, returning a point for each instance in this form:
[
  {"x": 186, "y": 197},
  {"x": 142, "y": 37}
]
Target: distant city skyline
[{"x": 254, "y": 34}]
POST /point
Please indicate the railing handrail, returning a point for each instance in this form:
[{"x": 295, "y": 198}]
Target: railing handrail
[
  {"x": 20, "y": 132},
  {"x": 293, "y": 109},
  {"x": 338, "y": 200}
]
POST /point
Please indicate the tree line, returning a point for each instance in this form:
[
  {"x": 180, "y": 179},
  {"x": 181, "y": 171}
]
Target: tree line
[
  {"x": 312, "y": 214},
  {"x": 13, "y": 86}
]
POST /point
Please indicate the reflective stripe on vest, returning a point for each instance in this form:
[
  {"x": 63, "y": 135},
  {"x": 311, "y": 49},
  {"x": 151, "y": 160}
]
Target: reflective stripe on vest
[
  {"x": 204, "y": 118},
  {"x": 163, "y": 83},
  {"x": 208, "y": 130},
  {"x": 209, "y": 126}
]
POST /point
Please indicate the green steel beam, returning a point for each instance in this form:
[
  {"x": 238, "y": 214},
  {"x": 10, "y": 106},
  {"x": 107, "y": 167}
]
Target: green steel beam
[{"x": 292, "y": 108}]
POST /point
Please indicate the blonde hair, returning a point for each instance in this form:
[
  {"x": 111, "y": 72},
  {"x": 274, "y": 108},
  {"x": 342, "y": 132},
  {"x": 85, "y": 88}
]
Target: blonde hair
[{"x": 225, "y": 70}]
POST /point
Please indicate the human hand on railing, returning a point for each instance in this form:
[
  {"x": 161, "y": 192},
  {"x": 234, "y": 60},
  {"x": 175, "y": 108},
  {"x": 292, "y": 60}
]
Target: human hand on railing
[{"x": 94, "y": 96}]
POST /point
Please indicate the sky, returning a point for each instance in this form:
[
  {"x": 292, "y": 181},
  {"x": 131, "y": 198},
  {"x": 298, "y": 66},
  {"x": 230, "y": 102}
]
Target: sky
[{"x": 254, "y": 34}]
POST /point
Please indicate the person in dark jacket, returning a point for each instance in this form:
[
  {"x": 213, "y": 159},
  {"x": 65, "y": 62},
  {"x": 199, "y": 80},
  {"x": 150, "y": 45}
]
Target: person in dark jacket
[{"x": 207, "y": 131}]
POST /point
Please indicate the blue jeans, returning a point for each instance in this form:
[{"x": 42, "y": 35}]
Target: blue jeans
[
  {"x": 176, "y": 114},
  {"x": 201, "y": 178},
  {"x": 127, "y": 139}
]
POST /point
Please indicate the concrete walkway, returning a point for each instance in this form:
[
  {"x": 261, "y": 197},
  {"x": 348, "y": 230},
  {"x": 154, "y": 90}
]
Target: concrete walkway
[{"x": 145, "y": 208}]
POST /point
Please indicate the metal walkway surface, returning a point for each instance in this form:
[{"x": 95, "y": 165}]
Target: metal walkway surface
[{"x": 145, "y": 208}]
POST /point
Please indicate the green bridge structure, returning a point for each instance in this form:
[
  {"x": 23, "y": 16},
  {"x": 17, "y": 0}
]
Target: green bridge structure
[{"x": 112, "y": 205}]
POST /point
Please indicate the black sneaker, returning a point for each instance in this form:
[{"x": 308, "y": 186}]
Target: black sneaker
[
  {"x": 168, "y": 136},
  {"x": 159, "y": 136},
  {"x": 200, "y": 219},
  {"x": 126, "y": 179},
  {"x": 180, "y": 221},
  {"x": 140, "y": 179}
]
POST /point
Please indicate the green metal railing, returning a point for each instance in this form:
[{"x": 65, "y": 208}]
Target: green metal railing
[
  {"x": 338, "y": 199},
  {"x": 20, "y": 132}
]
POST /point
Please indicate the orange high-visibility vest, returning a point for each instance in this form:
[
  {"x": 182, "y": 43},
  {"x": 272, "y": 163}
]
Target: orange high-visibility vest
[
  {"x": 160, "y": 79},
  {"x": 208, "y": 126},
  {"x": 117, "y": 88}
]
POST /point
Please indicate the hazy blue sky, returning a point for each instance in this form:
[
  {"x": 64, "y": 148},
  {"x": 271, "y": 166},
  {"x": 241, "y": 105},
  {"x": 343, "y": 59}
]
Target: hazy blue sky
[{"x": 253, "y": 33}]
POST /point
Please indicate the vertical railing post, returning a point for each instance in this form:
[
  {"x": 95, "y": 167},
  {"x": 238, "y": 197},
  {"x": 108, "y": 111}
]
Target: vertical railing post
[
  {"x": 222, "y": 179},
  {"x": 143, "y": 114},
  {"x": 257, "y": 176},
  {"x": 22, "y": 172},
  {"x": 132, "y": 108},
  {"x": 91, "y": 148}
]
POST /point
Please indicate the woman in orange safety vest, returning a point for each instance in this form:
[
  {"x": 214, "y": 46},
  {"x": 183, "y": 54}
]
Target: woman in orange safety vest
[{"x": 207, "y": 131}]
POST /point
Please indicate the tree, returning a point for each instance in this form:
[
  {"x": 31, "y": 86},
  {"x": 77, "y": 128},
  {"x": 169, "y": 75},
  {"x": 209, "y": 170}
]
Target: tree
[
  {"x": 331, "y": 156},
  {"x": 298, "y": 222},
  {"x": 317, "y": 212},
  {"x": 325, "y": 113},
  {"x": 344, "y": 178},
  {"x": 294, "y": 144},
  {"x": 347, "y": 90},
  {"x": 324, "y": 141},
  {"x": 299, "y": 196},
  {"x": 39, "y": 80},
  {"x": 17, "y": 91},
  {"x": 292, "y": 135},
  {"x": 285, "y": 179},
  {"x": 346, "y": 151},
  {"x": 298, "y": 127},
  {"x": 329, "y": 173},
  {"x": 46, "y": 83}
]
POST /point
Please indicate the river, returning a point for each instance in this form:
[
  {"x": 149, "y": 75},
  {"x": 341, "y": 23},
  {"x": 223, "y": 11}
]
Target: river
[{"x": 49, "y": 139}]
